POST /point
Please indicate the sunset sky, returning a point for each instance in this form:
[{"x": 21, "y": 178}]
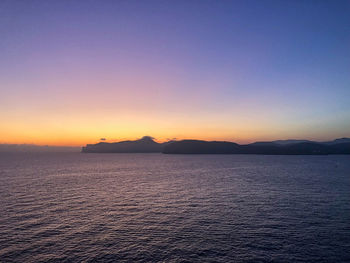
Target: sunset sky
[{"x": 72, "y": 72}]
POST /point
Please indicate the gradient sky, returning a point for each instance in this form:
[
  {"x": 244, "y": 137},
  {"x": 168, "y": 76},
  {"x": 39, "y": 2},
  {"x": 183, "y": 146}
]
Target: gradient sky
[{"x": 72, "y": 72}]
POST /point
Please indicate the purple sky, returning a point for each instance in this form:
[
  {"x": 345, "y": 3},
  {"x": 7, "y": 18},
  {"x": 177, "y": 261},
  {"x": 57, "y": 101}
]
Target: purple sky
[{"x": 72, "y": 72}]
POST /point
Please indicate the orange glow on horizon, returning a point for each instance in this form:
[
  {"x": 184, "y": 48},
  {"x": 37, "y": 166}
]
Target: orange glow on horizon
[{"x": 81, "y": 135}]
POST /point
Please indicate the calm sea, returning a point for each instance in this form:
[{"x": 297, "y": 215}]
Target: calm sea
[{"x": 74, "y": 207}]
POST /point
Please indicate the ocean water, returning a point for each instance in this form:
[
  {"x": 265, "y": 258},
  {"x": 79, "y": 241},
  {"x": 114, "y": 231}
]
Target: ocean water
[{"x": 74, "y": 207}]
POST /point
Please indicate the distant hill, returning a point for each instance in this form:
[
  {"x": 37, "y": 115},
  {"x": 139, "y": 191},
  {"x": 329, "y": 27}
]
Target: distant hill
[
  {"x": 148, "y": 145},
  {"x": 300, "y": 148},
  {"x": 145, "y": 145},
  {"x": 336, "y": 141},
  {"x": 201, "y": 147},
  {"x": 286, "y": 142},
  {"x": 292, "y": 141}
]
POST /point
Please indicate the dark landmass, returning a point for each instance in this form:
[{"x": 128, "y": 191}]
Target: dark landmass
[
  {"x": 280, "y": 147},
  {"x": 337, "y": 141},
  {"x": 145, "y": 145},
  {"x": 203, "y": 147},
  {"x": 9, "y": 148},
  {"x": 288, "y": 142}
]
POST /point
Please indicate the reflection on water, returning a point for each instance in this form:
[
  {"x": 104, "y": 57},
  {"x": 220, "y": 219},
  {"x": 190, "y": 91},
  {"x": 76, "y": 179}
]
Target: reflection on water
[{"x": 174, "y": 208}]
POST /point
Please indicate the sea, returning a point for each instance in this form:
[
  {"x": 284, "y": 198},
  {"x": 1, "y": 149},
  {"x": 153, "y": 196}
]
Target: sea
[{"x": 75, "y": 207}]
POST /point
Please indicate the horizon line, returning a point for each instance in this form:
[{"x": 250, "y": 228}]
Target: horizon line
[{"x": 161, "y": 141}]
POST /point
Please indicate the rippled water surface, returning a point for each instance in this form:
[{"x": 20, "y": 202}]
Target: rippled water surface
[{"x": 76, "y": 207}]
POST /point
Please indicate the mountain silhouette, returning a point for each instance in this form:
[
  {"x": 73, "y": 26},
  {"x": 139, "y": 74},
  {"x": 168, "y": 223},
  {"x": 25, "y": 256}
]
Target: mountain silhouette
[
  {"x": 301, "y": 148},
  {"x": 293, "y": 141},
  {"x": 201, "y": 147},
  {"x": 337, "y": 141},
  {"x": 282, "y": 147},
  {"x": 144, "y": 145}
]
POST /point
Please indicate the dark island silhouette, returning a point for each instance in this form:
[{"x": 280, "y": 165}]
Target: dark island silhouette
[
  {"x": 280, "y": 147},
  {"x": 145, "y": 145}
]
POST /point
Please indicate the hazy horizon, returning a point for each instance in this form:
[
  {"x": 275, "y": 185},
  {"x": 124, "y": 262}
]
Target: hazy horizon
[{"x": 29, "y": 145}]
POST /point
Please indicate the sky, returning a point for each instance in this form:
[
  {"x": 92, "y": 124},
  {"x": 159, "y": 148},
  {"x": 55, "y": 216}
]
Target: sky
[{"x": 72, "y": 72}]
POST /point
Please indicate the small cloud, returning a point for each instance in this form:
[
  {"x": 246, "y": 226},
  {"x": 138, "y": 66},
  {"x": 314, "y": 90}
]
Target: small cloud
[{"x": 102, "y": 139}]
